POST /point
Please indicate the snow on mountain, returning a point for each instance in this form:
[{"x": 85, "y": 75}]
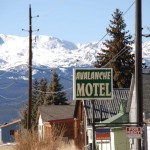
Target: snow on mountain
[
  {"x": 146, "y": 53},
  {"x": 50, "y": 52},
  {"x": 47, "y": 53}
]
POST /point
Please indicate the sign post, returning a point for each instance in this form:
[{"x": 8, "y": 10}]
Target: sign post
[{"x": 93, "y": 125}]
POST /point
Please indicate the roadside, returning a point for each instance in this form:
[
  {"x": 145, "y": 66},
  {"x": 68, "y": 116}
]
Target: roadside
[{"x": 7, "y": 146}]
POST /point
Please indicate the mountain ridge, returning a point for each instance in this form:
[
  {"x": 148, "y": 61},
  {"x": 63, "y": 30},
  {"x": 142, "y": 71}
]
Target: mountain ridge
[
  {"x": 48, "y": 53},
  {"x": 14, "y": 49}
]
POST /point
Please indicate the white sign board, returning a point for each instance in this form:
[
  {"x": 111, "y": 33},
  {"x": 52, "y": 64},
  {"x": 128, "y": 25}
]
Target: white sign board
[{"x": 134, "y": 132}]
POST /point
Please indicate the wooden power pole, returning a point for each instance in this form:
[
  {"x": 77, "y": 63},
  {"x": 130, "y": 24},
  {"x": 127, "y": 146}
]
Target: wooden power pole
[{"x": 30, "y": 72}]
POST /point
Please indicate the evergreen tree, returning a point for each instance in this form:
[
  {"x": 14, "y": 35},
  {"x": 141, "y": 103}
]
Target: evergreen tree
[
  {"x": 34, "y": 104},
  {"x": 34, "y": 107},
  {"x": 55, "y": 94},
  {"x": 41, "y": 94},
  {"x": 43, "y": 90},
  {"x": 117, "y": 47},
  {"x": 49, "y": 95}
]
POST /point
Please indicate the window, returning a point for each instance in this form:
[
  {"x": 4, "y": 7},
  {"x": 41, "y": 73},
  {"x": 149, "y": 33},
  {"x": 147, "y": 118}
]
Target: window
[{"x": 11, "y": 132}]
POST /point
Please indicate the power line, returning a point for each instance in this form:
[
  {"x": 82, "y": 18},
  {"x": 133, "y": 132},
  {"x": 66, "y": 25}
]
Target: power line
[
  {"x": 54, "y": 92},
  {"x": 123, "y": 15},
  {"x": 87, "y": 45},
  {"x": 10, "y": 98},
  {"x": 43, "y": 69},
  {"x": 107, "y": 33},
  {"x": 99, "y": 42},
  {"x": 6, "y": 87},
  {"x": 14, "y": 103},
  {"x": 116, "y": 56},
  {"x": 129, "y": 8}
]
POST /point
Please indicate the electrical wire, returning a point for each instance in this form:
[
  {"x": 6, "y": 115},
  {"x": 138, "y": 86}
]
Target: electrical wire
[
  {"x": 42, "y": 69},
  {"x": 9, "y": 98},
  {"x": 123, "y": 15},
  {"x": 13, "y": 103},
  {"x": 129, "y": 8},
  {"x": 116, "y": 56},
  {"x": 107, "y": 33},
  {"x": 6, "y": 87},
  {"x": 65, "y": 90}
]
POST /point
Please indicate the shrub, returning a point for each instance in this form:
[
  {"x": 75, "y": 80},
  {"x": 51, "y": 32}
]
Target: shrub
[{"x": 54, "y": 141}]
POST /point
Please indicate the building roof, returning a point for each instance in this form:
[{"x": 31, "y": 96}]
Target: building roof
[
  {"x": 118, "y": 119},
  {"x": 11, "y": 123},
  {"x": 105, "y": 109},
  {"x": 121, "y": 117},
  {"x": 56, "y": 112}
]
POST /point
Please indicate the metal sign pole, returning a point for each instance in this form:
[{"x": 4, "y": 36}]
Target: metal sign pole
[{"x": 93, "y": 124}]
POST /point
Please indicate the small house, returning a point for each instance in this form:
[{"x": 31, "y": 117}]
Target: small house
[
  {"x": 8, "y": 130},
  {"x": 53, "y": 117},
  {"x": 116, "y": 127}
]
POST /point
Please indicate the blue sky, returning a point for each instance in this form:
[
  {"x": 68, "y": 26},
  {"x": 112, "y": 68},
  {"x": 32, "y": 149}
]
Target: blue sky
[{"x": 78, "y": 21}]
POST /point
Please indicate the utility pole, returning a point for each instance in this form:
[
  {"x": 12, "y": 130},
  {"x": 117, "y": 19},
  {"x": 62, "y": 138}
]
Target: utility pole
[
  {"x": 30, "y": 72},
  {"x": 138, "y": 65},
  {"x": 93, "y": 125}
]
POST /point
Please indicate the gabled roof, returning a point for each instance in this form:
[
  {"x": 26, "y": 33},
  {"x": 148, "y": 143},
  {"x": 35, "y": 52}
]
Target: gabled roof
[
  {"x": 107, "y": 108},
  {"x": 56, "y": 112},
  {"x": 11, "y": 123},
  {"x": 121, "y": 117}
]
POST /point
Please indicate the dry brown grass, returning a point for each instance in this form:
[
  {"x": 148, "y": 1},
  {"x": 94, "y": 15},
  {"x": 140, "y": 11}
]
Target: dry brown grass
[{"x": 53, "y": 141}]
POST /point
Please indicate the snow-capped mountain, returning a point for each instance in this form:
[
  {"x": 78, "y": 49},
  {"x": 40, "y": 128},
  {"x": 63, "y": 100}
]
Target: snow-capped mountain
[{"x": 47, "y": 53}]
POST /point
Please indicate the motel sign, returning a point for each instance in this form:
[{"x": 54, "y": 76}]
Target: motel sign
[{"x": 92, "y": 83}]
